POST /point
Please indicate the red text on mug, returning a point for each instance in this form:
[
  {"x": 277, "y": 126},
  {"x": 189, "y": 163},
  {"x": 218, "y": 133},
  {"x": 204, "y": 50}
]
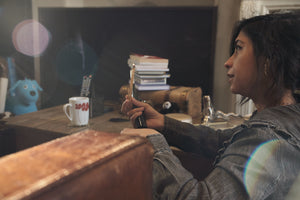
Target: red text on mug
[{"x": 83, "y": 106}]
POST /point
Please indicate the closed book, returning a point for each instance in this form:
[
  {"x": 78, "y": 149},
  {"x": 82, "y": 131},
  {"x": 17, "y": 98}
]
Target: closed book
[
  {"x": 150, "y": 81},
  {"x": 147, "y": 59},
  {"x": 151, "y": 76},
  {"x": 151, "y": 87},
  {"x": 148, "y": 66},
  {"x": 151, "y": 70}
]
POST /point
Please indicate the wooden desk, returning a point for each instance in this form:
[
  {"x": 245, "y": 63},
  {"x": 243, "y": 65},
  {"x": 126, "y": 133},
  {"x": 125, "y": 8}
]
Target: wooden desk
[
  {"x": 44, "y": 125},
  {"x": 31, "y": 129},
  {"x": 54, "y": 120}
]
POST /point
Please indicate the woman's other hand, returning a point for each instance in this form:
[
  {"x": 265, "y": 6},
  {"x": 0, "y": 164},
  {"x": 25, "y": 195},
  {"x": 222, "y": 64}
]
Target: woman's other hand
[{"x": 134, "y": 108}]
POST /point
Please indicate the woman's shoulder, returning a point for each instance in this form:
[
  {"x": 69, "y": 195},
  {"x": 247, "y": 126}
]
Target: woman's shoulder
[
  {"x": 282, "y": 119},
  {"x": 278, "y": 114}
]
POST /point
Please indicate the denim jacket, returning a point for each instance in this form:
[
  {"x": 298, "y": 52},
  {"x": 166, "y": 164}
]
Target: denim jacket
[{"x": 260, "y": 159}]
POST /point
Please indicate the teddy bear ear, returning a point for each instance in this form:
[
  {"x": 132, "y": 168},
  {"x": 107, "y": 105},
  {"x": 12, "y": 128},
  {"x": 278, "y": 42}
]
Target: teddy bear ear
[{"x": 37, "y": 85}]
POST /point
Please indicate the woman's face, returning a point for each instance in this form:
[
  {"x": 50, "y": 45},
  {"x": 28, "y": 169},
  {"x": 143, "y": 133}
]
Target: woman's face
[{"x": 242, "y": 68}]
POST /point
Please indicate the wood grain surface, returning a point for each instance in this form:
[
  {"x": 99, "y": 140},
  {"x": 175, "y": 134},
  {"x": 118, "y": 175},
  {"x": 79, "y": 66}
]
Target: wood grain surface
[{"x": 85, "y": 165}]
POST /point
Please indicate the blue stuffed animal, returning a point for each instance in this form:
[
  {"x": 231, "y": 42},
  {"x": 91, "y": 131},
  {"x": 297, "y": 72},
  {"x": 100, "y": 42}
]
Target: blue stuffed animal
[{"x": 22, "y": 97}]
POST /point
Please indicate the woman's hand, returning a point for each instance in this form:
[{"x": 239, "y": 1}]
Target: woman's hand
[
  {"x": 143, "y": 132},
  {"x": 153, "y": 118}
]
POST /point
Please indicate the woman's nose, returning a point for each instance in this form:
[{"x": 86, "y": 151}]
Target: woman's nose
[{"x": 228, "y": 63}]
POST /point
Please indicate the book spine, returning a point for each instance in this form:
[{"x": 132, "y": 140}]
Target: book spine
[
  {"x": 152, "y": 70},
  {"x": 158, "y": 81},
  {"x": 147, "y": 63},
  {"x": 145, "y": 59},
  {"x": 151, "y": 87}
]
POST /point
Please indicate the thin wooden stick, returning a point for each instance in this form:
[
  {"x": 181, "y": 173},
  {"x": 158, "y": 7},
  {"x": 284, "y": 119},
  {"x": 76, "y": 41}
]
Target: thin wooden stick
[{"x": 130, "y": 89}]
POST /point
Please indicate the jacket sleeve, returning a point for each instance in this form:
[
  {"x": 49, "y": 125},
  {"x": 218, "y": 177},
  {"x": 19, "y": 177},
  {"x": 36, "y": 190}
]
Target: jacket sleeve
[
  {"x": 196, "y": 139},
  {"x": 172, "y": 181}
]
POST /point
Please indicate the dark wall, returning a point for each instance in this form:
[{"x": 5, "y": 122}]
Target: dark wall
[{"x": 98, "y": 41}]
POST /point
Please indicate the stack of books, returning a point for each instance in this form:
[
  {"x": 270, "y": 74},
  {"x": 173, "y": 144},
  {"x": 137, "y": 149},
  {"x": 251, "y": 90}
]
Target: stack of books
[{"x": 151, "y": 72}]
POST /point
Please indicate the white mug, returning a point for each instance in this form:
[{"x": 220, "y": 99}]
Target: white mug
[{"x": 77, "y": 110}]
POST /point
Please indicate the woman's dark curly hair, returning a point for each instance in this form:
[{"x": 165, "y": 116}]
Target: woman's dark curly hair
[{"x": 276, "y": 38}]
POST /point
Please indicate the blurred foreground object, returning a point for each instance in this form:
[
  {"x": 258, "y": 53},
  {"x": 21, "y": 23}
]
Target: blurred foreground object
[
  {"x": 85, "y": 165},
  {"x": 3, "y": 83}
]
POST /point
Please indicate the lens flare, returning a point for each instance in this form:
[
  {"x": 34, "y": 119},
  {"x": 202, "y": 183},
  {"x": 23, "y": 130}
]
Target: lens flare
[
  {"x": 256, "y": 163},
  {"x": 74, "y": 60},
  {"x": 30, "y": 37},
  {"x": 294, "y": 193}
]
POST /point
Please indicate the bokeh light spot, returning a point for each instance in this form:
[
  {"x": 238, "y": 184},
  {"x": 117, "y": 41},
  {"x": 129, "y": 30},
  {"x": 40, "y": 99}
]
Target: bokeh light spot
[
  {"x": 30, "y": 38},
  {"x": 294, "y": 192}
]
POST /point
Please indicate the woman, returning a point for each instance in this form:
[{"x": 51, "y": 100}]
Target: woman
[{"x": 259, "y": 159}]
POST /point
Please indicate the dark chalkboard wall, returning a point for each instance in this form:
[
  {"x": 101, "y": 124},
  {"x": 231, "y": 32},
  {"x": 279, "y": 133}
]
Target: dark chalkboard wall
[{"x": 98, "y": 41}]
